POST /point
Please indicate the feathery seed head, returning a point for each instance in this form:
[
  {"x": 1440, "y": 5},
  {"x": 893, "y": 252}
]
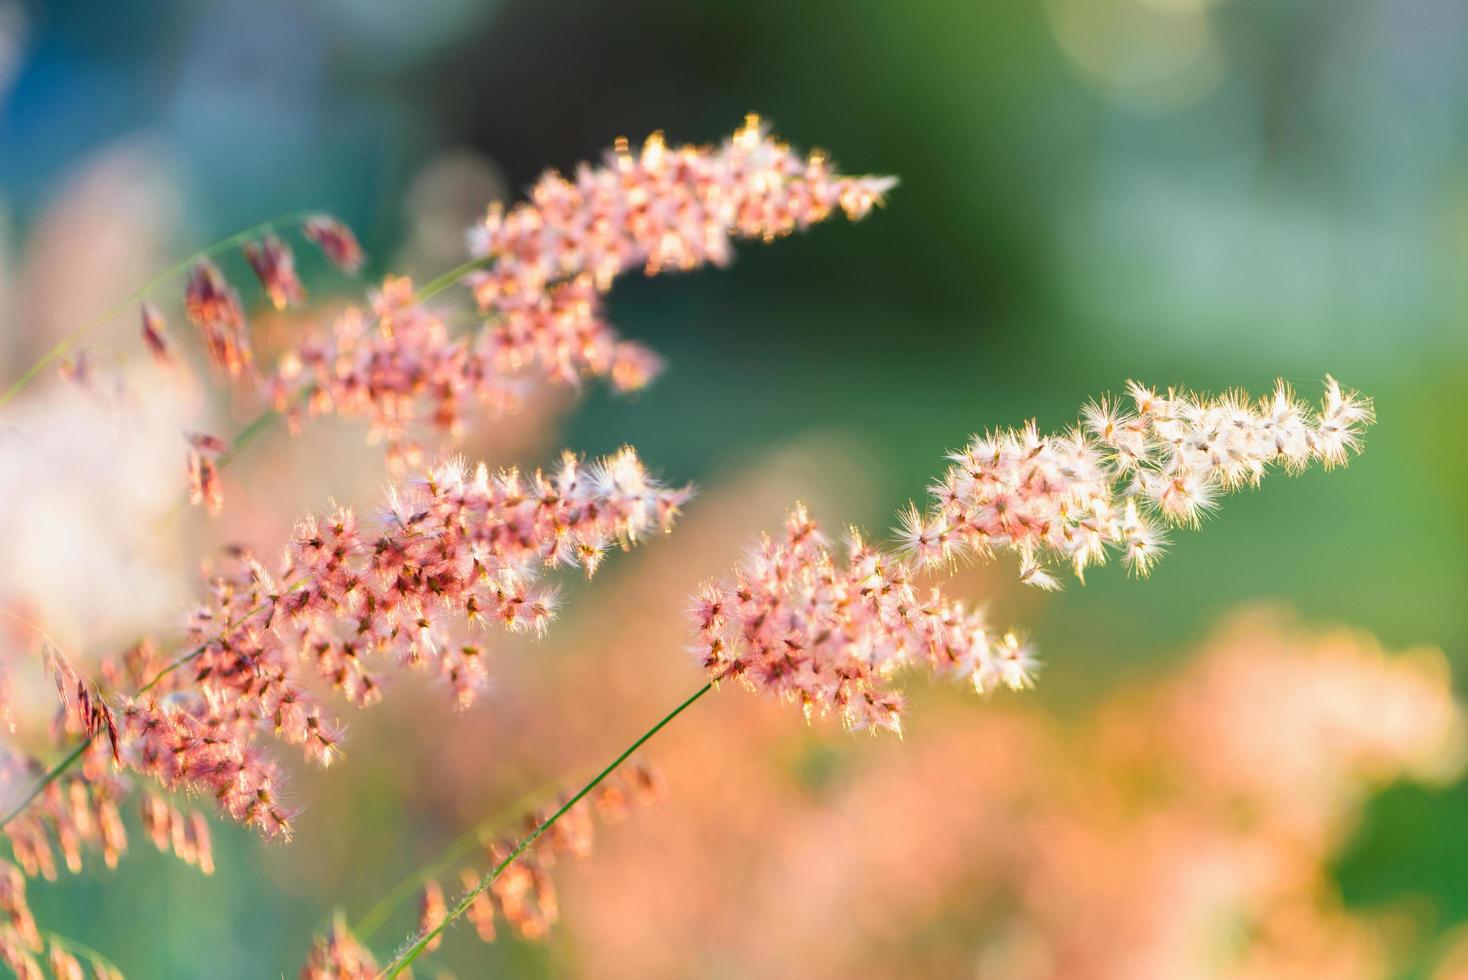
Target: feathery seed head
[{"x": 1077, "y": 496}]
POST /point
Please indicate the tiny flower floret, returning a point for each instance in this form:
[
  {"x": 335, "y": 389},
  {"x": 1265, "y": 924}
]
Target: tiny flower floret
[{"x": 827, "y": 630}]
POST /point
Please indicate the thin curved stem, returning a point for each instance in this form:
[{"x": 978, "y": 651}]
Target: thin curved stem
[
  {"x": 418, "y": 945},
  {"x": 446, "y": 280},
  {"x": 70, "y": 340},
  {"x": 83, "y": 950},
  {"x": 178, "y": 662},
  {"x": 373, "y": 918},
  {"x": 46, "y": 780}
]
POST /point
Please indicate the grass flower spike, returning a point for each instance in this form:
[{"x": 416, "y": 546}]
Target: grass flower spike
[
  {"x": 1116, "y": 481},
  {"x": 662, "y": 208},
  {"x": 381, "y": 366},
  {"x": 336, "y": 241},
  {"x": 827, "y": 632},
  {"x": 452, "y": 547},
  {"x": 538, "y": 273}
]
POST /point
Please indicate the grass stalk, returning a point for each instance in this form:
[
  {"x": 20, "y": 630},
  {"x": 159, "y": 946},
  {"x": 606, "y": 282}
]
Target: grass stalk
[{"x": 417, "y": 946}]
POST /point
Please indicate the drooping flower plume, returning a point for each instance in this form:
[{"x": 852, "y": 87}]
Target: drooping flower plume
[
  {"x": 546, "y": 263},
  {"x": 275, "y": 267}
]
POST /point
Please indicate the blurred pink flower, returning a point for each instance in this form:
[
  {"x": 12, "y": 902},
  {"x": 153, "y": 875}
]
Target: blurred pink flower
[
  {"x": 337, "y": 241},
  {"x": 275, "y": 267}
]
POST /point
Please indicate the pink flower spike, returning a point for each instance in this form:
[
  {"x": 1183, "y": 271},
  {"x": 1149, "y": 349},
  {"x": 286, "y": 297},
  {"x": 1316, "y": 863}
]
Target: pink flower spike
[
  {"x": 275, "y": 267},
  {"x": 660, "y": 209},
  {"x": 336, "y": 241},
  {"x": 1076, "y": 497},
  {"x": 827, "y": 631},
  {"x": 214, "y": 308}
]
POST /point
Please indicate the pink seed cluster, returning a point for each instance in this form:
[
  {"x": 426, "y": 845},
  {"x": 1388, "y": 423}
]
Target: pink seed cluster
[
  {"x": 547, "y": 262},
  {"x": 336, "y": 241},
  {"x": 1130, "y": 468},
  {"x": 663, "y": 208},
  {"x": 381, "y": 366},
  {"x": 827, "y": 631},
  {"x": 453, "y": 547},
  {"x": 403, "y": 364},
  {"x": 186, "y": 743}
]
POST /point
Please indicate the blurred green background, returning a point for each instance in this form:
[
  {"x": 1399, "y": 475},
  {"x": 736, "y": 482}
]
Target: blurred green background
[{"x": 1201, "y": 192}]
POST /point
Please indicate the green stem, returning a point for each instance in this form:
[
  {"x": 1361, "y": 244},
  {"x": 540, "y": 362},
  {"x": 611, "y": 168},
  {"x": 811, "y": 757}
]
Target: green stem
[
  {"x": 82, "y": 950},
  {"x": 71, "y": 339},
  {"x": 374, "y": 917},
  {"x": 178, "y": 662},
  {"x": 410, "y": 954},
  {"x": 446, "y": 280},
  {"x": 46, "y": 780},
  {"x": 253, "y": 431}
]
